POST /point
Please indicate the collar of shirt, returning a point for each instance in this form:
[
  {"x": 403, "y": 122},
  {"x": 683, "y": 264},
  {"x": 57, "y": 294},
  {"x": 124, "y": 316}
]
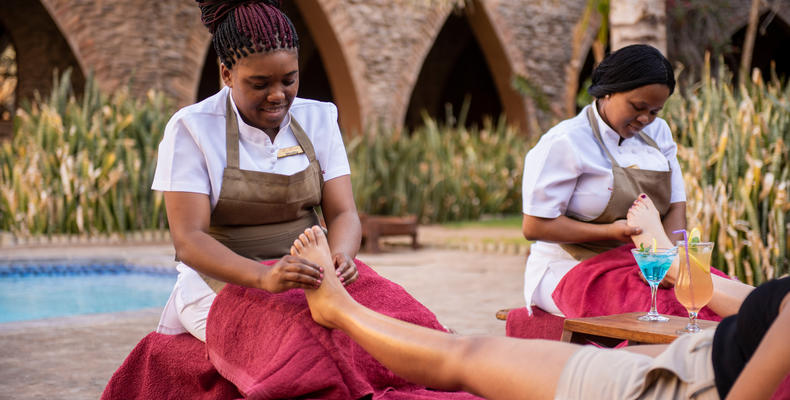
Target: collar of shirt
[
  {"x": 609, "y": 136},
  {"x": 253, "y": 134}
]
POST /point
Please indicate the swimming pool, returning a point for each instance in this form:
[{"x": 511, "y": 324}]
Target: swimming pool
[{"x": 44, "y": 289}]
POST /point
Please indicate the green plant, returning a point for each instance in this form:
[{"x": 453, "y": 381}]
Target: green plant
[
  {"x": 733, "y": 149},
  {"x": 439, "y": 172},
  {"x": 83, "y": 165}
]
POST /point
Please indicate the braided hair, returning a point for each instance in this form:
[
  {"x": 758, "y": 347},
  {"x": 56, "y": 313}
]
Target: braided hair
[
  {"x": 242, "y": 27},
  {"x": 629, "y": 68}
]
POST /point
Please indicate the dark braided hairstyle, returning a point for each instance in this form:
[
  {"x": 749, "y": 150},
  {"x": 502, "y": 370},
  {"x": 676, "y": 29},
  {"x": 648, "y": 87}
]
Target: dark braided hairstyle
[
  {"x": 242, "y": 27},
  {"x": 629, "y": 68}
]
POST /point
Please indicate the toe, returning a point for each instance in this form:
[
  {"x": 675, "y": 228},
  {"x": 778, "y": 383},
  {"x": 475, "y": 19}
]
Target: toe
[{"x": 310, "y": 232}]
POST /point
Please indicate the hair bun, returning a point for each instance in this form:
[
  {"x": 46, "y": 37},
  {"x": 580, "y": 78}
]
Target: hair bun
[{"x": 212, "y": 12}]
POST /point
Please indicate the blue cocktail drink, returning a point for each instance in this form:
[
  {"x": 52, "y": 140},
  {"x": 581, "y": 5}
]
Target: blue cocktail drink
[{"x": 654, "y": 264}]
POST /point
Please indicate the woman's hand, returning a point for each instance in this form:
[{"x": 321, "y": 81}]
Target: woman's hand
[
  {"x": 621, "y": 231},
  {"x": 346, "y": 269},
  {"x": 291, "y": 272}
]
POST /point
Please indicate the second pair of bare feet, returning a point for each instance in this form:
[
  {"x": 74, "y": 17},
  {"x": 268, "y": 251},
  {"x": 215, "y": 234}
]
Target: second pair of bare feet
[{"x": 643, "y": 214}]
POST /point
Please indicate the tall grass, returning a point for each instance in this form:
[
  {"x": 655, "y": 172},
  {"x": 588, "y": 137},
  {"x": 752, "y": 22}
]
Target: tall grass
[
  {"x": 83, "y": 166},
  {"x": 439, "y": 172},
  {"x": 733, "y": 146}
]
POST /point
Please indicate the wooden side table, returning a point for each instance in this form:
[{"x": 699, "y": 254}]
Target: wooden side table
[{"x": 609, "y": 330}]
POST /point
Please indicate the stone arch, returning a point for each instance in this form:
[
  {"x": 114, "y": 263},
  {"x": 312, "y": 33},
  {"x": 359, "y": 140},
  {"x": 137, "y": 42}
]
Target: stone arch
[
  {"x": 336, "y": 57},
  {"x": 499, "y": 62},
  {"x": 584, "y": 75},
  {"x": 769, "y": 46},
  {"x": 40, "y": 45},
  {"x": 463, "y": 38},
  {"x": 313, "y": 79},
  {"x": 210, "y": 81},
  {"x": 140, "y": 45},
  {"x": 8, "y": 83},
  {"x": 454, "y": 72}
]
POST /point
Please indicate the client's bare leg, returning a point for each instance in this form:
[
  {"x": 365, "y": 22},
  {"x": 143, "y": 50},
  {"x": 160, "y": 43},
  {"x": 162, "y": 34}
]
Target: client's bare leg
[
  {"x": 493, "y": 367},
  {"x": 728, "y": 294}
]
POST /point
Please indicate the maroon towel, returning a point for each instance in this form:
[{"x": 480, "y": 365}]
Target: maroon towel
[
  {"x": 269, "y": 346},
  {"x": 539, "y": 325},
  {"x": 603, "y": 285},
  {"x": 783, "y": 391},
  {"x": 168, "y": 367},
  {"x": 609, "y": 283}
]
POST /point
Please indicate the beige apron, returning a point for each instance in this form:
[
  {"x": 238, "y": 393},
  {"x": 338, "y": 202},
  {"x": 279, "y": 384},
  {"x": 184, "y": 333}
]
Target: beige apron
[
  {"x": 627, "y": 185},
  {"x": 260, "y": 214}
]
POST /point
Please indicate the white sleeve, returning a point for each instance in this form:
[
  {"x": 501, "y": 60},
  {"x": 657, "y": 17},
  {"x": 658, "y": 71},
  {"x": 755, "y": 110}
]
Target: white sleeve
[
  {"x": 336, "y": 160},
  {"x": 181, "y": 164},
  {"x": 669, "y": 148},
  {"x": 551, "y": 170}
]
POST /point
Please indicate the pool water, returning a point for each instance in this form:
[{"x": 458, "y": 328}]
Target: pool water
[{"x": 33, "y": 291}]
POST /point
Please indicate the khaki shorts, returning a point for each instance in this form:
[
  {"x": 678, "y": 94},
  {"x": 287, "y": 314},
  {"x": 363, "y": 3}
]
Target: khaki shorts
[{"x": 683, "y": 371}]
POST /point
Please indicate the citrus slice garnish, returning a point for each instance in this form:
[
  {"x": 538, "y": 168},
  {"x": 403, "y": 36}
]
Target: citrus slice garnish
[
  {"x": 655, "y": 245},
  {"x": 695, "y": 236}
]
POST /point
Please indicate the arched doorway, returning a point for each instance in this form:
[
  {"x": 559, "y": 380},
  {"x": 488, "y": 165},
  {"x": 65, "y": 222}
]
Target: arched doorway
[
  {"x": 40, "y": 48},
  {"x": 210, "y": 80},
  {"x": 313, "y": 80},
  {"x": 585, "y": 79},
  {"x": 8, "y": 83},
  {"x": 770, "y": 45},
  {"x": 454, "y": 70}
]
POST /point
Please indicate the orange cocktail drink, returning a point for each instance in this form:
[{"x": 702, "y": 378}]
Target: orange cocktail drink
[{"x": 694, "y": 286}]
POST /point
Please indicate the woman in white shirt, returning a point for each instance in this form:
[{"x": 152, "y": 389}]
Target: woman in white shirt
[
  {"x": 243, "y": 170},
  {"x": 582, "y": 176}
]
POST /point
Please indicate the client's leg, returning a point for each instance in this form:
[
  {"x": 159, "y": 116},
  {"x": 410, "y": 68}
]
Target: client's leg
[
  {"x": 493, "y": 367},
  {"x": 728, "y": 294}
]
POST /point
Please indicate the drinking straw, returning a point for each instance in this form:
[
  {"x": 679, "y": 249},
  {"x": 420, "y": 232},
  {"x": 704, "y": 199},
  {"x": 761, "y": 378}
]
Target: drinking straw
[{"x": 688, "y": 261}]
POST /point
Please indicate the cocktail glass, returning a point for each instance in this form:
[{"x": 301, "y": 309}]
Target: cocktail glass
[
  {"x": 654, "y": 264},
  {"x": 694, "y": 286}
]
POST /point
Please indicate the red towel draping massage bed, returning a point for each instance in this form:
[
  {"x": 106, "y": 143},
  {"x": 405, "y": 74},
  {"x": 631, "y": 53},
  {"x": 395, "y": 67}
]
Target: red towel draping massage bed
[{"x": 266, "y": 346}]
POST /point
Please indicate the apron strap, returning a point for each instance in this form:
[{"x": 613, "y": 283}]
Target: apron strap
[
  {"x": 652, "y": 143},
  {"x": 307, "y": 146},
  {"x": 302, "y": 139},
  {"x": 231, "y": 136},
  {"x": 597, "y": 134}
]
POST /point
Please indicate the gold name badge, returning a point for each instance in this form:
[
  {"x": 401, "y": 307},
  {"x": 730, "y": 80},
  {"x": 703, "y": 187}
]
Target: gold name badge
[{"x": 289, "y": 151}]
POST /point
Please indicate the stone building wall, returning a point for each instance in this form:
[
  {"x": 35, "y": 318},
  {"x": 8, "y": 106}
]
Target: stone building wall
[
  {"x": 145, "y": 44},
  {"x": 372, "y": 50}
]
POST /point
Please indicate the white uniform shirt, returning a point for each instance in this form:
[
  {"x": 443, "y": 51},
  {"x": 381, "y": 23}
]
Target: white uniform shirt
[
  {"x": 192, "y": 159},
  {"x": 567, "y": 173}
]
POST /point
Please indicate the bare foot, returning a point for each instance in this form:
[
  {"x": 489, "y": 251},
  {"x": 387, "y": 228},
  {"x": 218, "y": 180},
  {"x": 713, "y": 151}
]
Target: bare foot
[
  {"x": 643, "y": 214},
  {"x": 330, "y": 297}
]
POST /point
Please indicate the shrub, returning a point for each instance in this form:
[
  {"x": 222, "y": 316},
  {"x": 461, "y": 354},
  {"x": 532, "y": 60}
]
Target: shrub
[
  {"x": 734, "y": 154},
  {"x": 83, "y": 166},
  {"x": 439, "y": 172}
]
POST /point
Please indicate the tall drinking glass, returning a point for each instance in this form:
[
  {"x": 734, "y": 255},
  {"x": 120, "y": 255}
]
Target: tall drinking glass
[
  {"x": 654, "y": 264},
  {"x": 694, "y": 286}
]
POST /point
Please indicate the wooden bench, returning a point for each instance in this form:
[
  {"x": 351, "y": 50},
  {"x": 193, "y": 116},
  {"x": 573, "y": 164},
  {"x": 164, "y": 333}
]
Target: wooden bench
[{"x": 377, "y": 226}]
